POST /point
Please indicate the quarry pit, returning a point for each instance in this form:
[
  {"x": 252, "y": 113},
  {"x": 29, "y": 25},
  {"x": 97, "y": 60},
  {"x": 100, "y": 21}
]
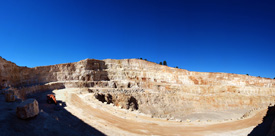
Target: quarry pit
[{"x": 136, "y": 97}]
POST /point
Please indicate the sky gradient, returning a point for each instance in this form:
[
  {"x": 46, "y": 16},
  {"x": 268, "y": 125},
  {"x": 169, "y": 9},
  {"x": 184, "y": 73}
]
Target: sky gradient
[{"x": 232, "y": 36}]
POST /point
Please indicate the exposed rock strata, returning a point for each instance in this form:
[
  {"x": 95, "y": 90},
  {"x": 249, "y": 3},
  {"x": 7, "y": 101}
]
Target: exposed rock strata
[{"x": 159, "y": 90}]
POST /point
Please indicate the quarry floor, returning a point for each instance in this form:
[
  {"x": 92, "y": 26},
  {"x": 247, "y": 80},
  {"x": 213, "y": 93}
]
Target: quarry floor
[
  {"x": 80, "y": 114},
  {"x": 51, "y": 121}
]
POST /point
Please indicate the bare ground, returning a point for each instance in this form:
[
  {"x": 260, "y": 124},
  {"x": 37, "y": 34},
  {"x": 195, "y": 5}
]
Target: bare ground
[
  {"x": 114, "y": 121},
  {"x": 79, "y": 114},
  {"x": 52, "y": 120}
]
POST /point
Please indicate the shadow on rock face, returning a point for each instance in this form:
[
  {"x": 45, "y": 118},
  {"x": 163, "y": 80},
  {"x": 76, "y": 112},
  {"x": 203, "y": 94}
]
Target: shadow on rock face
[
  {"x": 98, "y": 67},
  {"x": 132, "y": 103},
  {"x": 128, "y": 102},
  {"x": 267, "y": 127},
  {"x": 100, "y": 97}
]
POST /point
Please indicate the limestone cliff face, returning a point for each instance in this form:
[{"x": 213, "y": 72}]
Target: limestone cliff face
[
  {"x": 184, "y": 92},
  {"x": 159, "y": 90},
  {"x": 9, "y": 73},
  {"x": 86, "y": 70}
]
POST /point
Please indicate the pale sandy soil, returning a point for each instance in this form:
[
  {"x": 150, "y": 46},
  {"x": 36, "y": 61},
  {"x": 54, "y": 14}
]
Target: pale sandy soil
[{"x": 112, "y": 120}]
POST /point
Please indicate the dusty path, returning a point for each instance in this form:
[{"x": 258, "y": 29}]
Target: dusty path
[{"x": 110, "y": 124}]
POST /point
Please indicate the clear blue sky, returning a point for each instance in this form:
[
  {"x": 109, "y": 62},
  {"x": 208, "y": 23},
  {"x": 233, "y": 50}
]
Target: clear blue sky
[{"x": 232, "y": 36}]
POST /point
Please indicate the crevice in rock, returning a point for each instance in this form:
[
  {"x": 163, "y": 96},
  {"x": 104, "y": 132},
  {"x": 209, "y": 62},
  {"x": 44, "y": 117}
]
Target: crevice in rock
[
  {"x": 109, "y": 99},
  {"x": 132, "y": 103},
  {"x": 100, "y": 97},
  {"x": 129, "y": 85}
]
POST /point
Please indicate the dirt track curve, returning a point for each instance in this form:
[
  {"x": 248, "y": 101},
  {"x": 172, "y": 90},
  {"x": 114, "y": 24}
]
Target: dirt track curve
[{"x": 109, "y": 123}]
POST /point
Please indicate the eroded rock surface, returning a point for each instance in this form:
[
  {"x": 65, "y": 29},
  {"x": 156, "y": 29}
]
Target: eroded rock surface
[
  {"x": 157, "y": 90},
  {"x": 27, "y": 109}
]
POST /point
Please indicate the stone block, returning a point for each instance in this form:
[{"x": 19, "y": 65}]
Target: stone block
[{"x": 27, "y": 109}]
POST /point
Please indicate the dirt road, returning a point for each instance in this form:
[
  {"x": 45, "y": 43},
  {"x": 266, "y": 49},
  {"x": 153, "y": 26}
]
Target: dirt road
[{"x": 110, "y": 124}]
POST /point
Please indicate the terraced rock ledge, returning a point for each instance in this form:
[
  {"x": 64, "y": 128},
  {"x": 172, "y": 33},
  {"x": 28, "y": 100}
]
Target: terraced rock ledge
[{"x": 137, "y": 97}]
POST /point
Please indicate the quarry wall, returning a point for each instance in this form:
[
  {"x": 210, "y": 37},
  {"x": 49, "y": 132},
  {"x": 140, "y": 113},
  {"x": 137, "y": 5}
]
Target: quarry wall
[{"x": 159, "y": 90}]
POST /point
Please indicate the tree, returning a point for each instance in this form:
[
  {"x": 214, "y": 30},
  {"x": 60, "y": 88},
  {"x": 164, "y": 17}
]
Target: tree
[
  {"x": 145, "y": 59},
  {"x": 247, "y": 74},
  {"x": 177, "y": 67},
  {"x": 274, "y": 78},
  {"x": 160, "y": 63},
  {"x": 140, "y": 58},
  {"x": 165, "y": 63}
]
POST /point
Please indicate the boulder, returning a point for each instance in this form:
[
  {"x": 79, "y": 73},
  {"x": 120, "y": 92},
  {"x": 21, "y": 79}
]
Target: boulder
[
  {"x": 27, "y": 109},
  {"x": 9, "y": 96}
]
